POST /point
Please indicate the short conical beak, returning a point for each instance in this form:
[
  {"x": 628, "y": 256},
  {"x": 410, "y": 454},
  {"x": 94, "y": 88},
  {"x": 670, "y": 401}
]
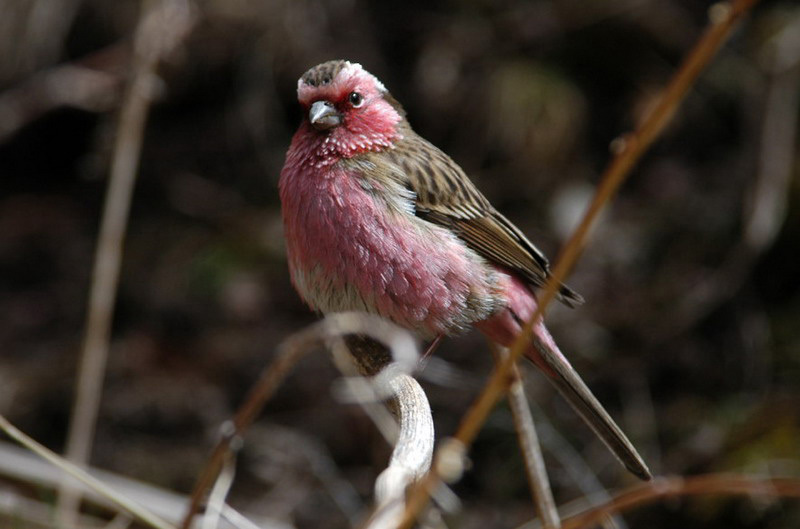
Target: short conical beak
[{"x": 324, "y": 116}]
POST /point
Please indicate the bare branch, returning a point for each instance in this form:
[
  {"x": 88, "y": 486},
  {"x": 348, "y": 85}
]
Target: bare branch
[
  {"x": 72, "y": 85},
  {"x": 578, "y": 471},
  {"x": 411, "y": 457},
  {"x": 265, "y": 439},
  {"x": 396, "y": 347},
  {"x": 136, "y": 510},
  {"x": 530, "y": 447},
  {"x": 161, "y": 29},
  {"x": 710, "y": 484},
  {"x": 216, "y": 501},
  {"x": 413, "y": 447},
  {"x": 21, "y": 466},
  {"x": 289, "y": 353}
]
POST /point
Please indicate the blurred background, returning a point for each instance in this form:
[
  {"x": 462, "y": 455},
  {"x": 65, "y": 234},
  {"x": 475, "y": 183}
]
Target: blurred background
[{"x": 690, "y": 331}]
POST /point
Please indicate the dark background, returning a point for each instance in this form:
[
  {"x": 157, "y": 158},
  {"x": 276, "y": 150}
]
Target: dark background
[{"x": 690, "y": 332}]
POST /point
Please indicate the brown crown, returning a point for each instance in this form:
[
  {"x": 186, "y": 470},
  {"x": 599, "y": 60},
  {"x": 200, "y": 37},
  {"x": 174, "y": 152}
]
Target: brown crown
[{"x": 324, "y": 73}]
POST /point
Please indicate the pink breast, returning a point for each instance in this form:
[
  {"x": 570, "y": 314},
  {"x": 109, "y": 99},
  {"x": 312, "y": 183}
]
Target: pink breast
[{"x": 349, "y": 251}]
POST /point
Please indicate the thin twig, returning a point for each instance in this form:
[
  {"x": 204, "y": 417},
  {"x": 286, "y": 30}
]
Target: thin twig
[
  {"x": 710, "y": 484},
  {"x": 767, "y": 196},
  {"x": 413, "y": 450},
  {"x": 122, "y": 520},
  {"x": 19, "y": 465},
  {"x": 628, "y": 150},
  {"x": 399, "y": 347},
  {"x": 267, "y": 438},
  {"x": 289, "y": 353},
  {"x": 237, "y": 519},
  {"x": 410, "y": 431},
  {"x": 576, "y": 468},
  {"x": 216, "y": 500},
  {"x": 29, "y": 512},
  {"x": 160, "y": 30},
  {"x": 531, "y": 449},
  {"x": 76, "y": 472},
  {"x": 92, "y": 83}
]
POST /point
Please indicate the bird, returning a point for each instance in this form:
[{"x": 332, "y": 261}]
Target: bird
[{"x": 379, "y": 220}]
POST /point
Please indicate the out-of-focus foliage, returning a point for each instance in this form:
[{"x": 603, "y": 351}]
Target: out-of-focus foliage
[{"x": 689, "y": 333}]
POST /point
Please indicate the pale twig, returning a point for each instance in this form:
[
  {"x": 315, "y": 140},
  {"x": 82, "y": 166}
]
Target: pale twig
[
  {"x": 767, "y": 209},
  {"x": 358, "y": 390},
  {"x": 710, "y": 484},
  {"x": 628, "y": 150},
  {"x": 33, "y": 513},
  {"x": 576, "y": 468},
  {"x": 216, "y": 500},
  {"x": 289, "y": 353},
  {"x": 399, "y": 346},
  {"x": 770, "y": 195},
  {"x": 373, "y": 375},
  {"x": 531, "y": 450},
  {"x": 76, "y": 472},
  {"x": 19, "y": 465},
  {"x": 35, "y": 33},
  {"x": 413, "y": 449},
  {"x": 92, "y": 83},
  {"x": 358, "y": 350},
  {"x": 160, "y": 31},
  {"x": 413, "y": 437},
  {"x": 237, "y": 519},
  {"x": 766, "y": 198},
  {"x": 268, "y": 438},
  {"x": 412, "y": 453},
  {"x": 122, "y": 520}
]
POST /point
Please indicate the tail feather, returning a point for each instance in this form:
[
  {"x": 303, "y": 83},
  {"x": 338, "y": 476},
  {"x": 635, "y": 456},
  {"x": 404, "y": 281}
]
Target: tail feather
[
  {"x": 567, "y": 381},
  {"x": 504, "y": 327}
]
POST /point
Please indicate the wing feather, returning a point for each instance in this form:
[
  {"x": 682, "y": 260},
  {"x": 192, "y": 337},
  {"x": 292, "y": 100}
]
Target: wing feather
[{"x": 445, "y": 196}]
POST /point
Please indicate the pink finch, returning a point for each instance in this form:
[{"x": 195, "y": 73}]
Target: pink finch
[{"x": 379, "y": 220}]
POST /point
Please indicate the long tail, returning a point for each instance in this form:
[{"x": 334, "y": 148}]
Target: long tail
[
  {"x": 506, "y": 325},
  {"x": 567, "y": 381}
]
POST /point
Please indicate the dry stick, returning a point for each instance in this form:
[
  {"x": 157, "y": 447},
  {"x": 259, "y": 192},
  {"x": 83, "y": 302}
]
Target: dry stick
[
  {"x": 627, "y": 152},
  {"x": 22, "y": 467},
  {"x": 370, "y": 355},
  {"x": 288, "y": 355},
  {"x": 78, "y": 473},
  {"x": 219, "y": 492},
  {"x": 413, "y": 444},
  {"x": 531, "y": 448},
  {"x": 159, "y": 31},
  {"x": 577, "y": 469},
  {"x": 532, "y": 453},
  {"x": 400, "y": 347},
  {"x": 92, "y": 83},
  {"x": 722, "y": 484}
]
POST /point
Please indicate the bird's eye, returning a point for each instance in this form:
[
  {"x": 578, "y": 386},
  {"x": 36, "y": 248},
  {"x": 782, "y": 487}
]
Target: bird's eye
[{"x": 355, "y": 99}]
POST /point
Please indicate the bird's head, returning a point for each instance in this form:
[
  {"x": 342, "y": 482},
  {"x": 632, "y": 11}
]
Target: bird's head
[{"x": 348, "y": 108}]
